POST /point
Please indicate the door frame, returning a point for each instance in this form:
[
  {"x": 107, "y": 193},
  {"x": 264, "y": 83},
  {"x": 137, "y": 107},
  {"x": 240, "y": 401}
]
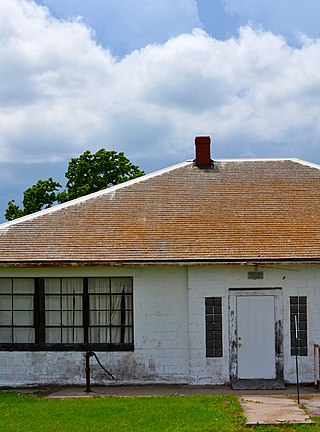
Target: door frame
[{"x": 276, "y": 292}]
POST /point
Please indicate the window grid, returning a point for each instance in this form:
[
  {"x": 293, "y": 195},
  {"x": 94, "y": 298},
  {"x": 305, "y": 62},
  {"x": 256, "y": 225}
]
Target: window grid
[
  {"x": 61, "y": 323},
  {"x": 16, "y": 319},
  {"x": 111, "y": 310},
  {"x": 298, "y": 308},
  {"x": 60, "y": 317},
  {"x": 213, "y": 309}
]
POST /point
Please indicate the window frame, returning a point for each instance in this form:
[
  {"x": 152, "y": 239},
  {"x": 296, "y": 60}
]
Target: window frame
[
  {"x": 298, "y": 306},
  {"x": 214, "y": 327},
  {"x": 38, "y": 313}
]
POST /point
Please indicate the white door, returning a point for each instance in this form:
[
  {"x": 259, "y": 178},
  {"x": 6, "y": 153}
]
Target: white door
[{"x": 256, "y": 336}]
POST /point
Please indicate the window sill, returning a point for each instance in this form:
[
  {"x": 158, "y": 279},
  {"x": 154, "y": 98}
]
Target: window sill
[{"x": 67, "y": 347}]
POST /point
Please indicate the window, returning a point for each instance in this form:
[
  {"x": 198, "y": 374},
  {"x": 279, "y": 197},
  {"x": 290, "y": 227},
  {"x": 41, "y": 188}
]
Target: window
[
  {"x": 213, "y": 307},
  {"x": 66, "y": 313},
  {"x": 298, "y": 309},
  {"x": 16, "y": 311}
]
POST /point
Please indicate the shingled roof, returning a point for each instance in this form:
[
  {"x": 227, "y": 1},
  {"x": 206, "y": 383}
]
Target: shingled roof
[{"x": 233, "y": 211}]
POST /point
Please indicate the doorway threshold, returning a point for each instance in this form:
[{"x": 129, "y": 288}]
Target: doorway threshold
[{"x": 258, "y": 384}]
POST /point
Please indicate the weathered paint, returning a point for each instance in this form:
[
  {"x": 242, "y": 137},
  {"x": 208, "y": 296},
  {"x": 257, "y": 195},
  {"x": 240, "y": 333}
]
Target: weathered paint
[
  {"x": 279, "y": 349},
  {"x": 211, "y": 280},
  {"x": 169, "y": 327},
  {"x": 272, "y": 350}
]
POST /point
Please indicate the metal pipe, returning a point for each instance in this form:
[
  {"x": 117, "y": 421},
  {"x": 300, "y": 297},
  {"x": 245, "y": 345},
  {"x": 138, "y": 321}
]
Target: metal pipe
[
  {"x": 315, "y": 365},
  {"x": 297, "y": 366},
  {"x": 318, "y": 380},
  {"x": 87, "y": 355}
]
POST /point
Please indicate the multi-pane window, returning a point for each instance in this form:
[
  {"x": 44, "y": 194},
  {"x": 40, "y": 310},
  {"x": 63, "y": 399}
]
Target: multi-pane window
[
  {"x": 213, "y": 306},
  {"x": 16, "y": 311},
  {"x": 66, "y": 313},
  {"x": 110, "y": 302},
  {"x": 61, "y": 311},
  {"x": 298, "y": 321}
]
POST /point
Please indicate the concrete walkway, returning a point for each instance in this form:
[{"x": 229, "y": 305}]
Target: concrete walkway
[{"x": 273, "y": 410}]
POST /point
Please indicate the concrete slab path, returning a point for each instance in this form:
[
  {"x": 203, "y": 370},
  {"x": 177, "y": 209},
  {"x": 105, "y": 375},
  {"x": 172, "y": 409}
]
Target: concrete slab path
[{"x": 273, "y": 410}]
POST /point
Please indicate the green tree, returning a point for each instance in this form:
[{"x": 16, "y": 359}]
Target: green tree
[
  {"x": 37, "y": 197},
  {"x": 90, "y": 172}
]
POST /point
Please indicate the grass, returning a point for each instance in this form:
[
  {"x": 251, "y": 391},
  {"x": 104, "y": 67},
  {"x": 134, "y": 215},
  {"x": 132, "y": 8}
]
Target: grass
[{"x": 167, "y": 413}]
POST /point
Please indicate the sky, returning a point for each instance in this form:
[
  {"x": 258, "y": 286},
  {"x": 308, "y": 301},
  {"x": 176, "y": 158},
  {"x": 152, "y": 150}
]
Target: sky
[{"x": 147, "y": 76}]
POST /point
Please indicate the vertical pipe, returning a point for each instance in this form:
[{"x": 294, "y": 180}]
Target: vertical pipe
[
  {"x": 88, "y": 386},
  {"x": 297, "y": 366},
  {"x": 315, "y": 350},
  {"x": 318, "y": 381}
]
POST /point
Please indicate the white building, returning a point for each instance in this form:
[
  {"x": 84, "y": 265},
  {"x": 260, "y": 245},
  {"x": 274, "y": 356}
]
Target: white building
[{"x": 192, "y": 274}]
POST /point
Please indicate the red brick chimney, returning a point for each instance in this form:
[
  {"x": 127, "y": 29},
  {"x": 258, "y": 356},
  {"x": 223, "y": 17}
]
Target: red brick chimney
[{"x": 203, "y": 159}]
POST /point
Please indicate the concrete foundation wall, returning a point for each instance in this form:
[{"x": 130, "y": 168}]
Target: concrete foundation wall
[{"x": 169, "y": 326}]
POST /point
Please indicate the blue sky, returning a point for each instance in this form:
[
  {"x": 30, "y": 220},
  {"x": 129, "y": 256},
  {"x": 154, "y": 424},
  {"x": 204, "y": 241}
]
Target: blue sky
[{"x": 146, "y": 76}]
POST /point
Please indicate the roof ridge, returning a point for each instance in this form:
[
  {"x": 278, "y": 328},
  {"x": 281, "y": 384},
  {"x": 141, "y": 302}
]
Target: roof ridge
[
  {"x": 296, "y": 160},
  {"x": 92, "y": 195},
  {"x": 306, "y": 163}
]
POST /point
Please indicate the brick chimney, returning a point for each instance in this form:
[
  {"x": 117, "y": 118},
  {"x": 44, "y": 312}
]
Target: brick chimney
[{"x": 203, "y": 159}]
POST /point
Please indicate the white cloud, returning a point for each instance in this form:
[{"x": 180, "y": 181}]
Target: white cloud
[
  {"x": 60, "y": 94},
  {"x": 49, "y": 76}
]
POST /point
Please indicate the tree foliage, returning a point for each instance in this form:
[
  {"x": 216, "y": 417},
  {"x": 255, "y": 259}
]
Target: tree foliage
[
  {"x": 37, "y": 197},
  {"x": 90, "y": 172}
]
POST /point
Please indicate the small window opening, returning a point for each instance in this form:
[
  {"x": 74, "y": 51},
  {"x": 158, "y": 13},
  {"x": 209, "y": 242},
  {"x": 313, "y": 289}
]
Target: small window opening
[
  {"x": 213, "y": 306},
  {"x": 298, "y": 308}
]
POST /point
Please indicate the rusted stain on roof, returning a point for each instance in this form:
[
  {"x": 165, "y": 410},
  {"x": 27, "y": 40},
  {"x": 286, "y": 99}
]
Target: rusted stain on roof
[{"x": 240, "y": 210}]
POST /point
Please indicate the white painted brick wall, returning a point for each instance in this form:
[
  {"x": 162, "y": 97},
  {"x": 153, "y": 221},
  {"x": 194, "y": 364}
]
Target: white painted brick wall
[
  {"x": 212, "y": 281},
  {"x": 160, "y": 333},
  {"x": 169, "y": 327}
]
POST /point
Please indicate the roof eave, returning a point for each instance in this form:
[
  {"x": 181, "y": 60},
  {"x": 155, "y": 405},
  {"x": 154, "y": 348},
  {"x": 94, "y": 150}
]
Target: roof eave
[{"x": 170, "y": 262}]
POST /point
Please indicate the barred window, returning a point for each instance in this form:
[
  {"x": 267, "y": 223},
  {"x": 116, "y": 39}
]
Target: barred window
[
  {"x": 66, "y": 313},
  {"x": 213, "y": 307},
  {"x": 298, "y": 309}
]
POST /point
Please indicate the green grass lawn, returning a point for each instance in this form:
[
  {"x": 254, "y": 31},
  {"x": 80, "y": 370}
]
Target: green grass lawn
[{"x": 168, "y": 413}]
